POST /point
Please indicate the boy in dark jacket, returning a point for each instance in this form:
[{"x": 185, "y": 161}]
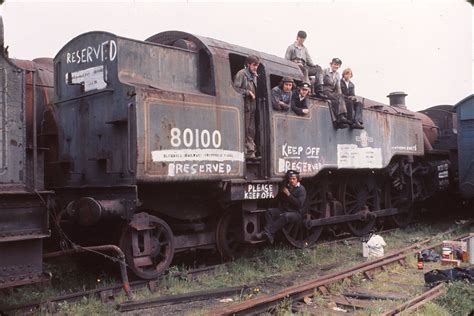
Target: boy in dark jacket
[
  {"x": 354, "y": 107},
  {"x": 245, "y": 82},
  {"x": 292, "y": 197},
  {"x": 299, "y": 99},
  {"x": 281, "y": 94}
]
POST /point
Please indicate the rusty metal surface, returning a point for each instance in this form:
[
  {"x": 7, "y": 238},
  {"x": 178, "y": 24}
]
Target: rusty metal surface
[
  {"x": 186, "y": 127},
  {"x": 25, "y": 87},
  {"x": 465, "y": 120},
  {"x": 441, "y": 128},
  {"x": 299, "y": 143},
  {"x": 23, "y": 226},
  {"x": 22, "y": 106},
  {"x": 221, "y": 49}
]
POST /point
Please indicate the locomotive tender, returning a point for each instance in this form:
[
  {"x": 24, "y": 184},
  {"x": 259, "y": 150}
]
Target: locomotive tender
[
  {"x": 26, "y": 88},
  {"x": 150, "y": 140}
]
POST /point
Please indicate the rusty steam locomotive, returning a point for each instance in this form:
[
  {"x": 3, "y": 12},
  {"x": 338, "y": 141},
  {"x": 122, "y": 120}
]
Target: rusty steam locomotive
[
  {"x": 145, "y": 148},
  {"x": 26, "y": 89}
]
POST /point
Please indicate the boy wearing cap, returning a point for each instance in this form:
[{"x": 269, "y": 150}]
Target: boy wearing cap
[
  {"x": 281, "y": 94},
  {"x": 292, "y": 197},
  {"x": 298, "y": 53},
  {"x": 245, "y": 82},
  {"x": 332, "y": 88},
  {"x": 299, "y": 100}
]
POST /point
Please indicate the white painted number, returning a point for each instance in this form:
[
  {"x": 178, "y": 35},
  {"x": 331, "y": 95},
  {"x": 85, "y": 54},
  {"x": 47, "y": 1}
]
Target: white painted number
[
  {"x": 198, "y": 139},
  {"x": 175, "y": 137},
  {"x": 216, "y": 139},
  {"x": 188, "y": 137},
  {"x": 205, "y": 138}
]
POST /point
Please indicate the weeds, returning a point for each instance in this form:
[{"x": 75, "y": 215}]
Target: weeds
[
  {"x": 278, "y": 262},
  {"x": 458, "y": 299},
  {"x": 284, "y": 307},
  {"x": 430, "y": 309}
]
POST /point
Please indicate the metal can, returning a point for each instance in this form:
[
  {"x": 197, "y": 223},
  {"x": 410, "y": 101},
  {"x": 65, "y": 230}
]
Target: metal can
[{"x": 447, "y": 252}]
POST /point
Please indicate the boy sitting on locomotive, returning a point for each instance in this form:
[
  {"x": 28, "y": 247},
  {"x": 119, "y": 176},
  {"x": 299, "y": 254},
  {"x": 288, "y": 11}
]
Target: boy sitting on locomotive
[
  {"x": 298, "y": 53},
  {"x": 332, "y": 88},
  {"x": 292, "y": 197},
  {"x": 354, "y": 107}
]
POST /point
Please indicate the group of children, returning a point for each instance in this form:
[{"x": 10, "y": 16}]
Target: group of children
[{"x": 327, "y": 84}]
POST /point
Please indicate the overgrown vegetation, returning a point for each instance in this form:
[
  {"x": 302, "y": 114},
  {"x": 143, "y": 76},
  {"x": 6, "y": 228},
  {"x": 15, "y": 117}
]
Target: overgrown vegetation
[
  {"x": 272, "y": 268},
  {"x": 459, "y": 298}
]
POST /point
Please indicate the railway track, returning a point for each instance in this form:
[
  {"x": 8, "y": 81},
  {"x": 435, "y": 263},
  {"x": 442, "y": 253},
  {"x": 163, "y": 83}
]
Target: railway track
[
  {"x": 418, "y": 301},
  {"x": 307, "y": 289},
  {"x": 107, "y": 294},
  {"x": 262, "y": 303}
]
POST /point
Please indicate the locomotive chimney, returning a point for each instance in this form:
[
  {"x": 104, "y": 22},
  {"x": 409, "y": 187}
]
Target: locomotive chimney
[{"x": 397, "y": 99}]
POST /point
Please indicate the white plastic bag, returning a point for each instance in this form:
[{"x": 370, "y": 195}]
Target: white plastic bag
[{"x": 375, "y": 245}]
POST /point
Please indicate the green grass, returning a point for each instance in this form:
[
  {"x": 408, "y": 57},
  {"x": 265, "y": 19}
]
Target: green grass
[
  {"x": 431, "y": 309},
  {"x": 459, "y": 298},
  {"x": 265, "y": 273}
]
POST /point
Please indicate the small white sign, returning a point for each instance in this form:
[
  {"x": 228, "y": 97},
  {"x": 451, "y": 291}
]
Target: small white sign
[
  {"x": 260, "y": 191},
  {"x": 179, "y": 155},
  {"x": 93, "y": 78},
  {"x": 351, "y": 156}
]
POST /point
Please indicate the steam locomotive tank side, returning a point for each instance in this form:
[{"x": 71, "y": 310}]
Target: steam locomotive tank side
[{"x": 26, "y": 88}]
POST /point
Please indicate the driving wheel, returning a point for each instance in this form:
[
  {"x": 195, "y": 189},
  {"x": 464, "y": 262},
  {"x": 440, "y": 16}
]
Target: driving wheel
[
  {"x": 148, "y": 245},
  {"x": 359, "y": 195},
  {"x": 315, "y": 207}
]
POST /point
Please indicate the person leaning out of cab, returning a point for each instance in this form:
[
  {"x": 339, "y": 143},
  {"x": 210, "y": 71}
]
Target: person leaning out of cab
[
  {"x": 299, "y": 99},
  {"x": 281, "y": 94},
  {"x": 245, "y": 82}
]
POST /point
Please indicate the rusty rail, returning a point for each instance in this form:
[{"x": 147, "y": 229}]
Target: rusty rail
[
  {"x": 297, "y": 292},
  {"x": 99, "y": 249},
  {"x": 152, "y": 284},
  {"x": 50, "y": 303},
  {"x": 179, "y": 298},
  {"x": 418, "y": 301}
]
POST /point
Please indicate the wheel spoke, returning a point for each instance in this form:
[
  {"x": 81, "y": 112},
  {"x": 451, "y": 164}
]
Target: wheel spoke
[
  {"x": 160, "y": 237},
  {"x": 355, "y": 195}
]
